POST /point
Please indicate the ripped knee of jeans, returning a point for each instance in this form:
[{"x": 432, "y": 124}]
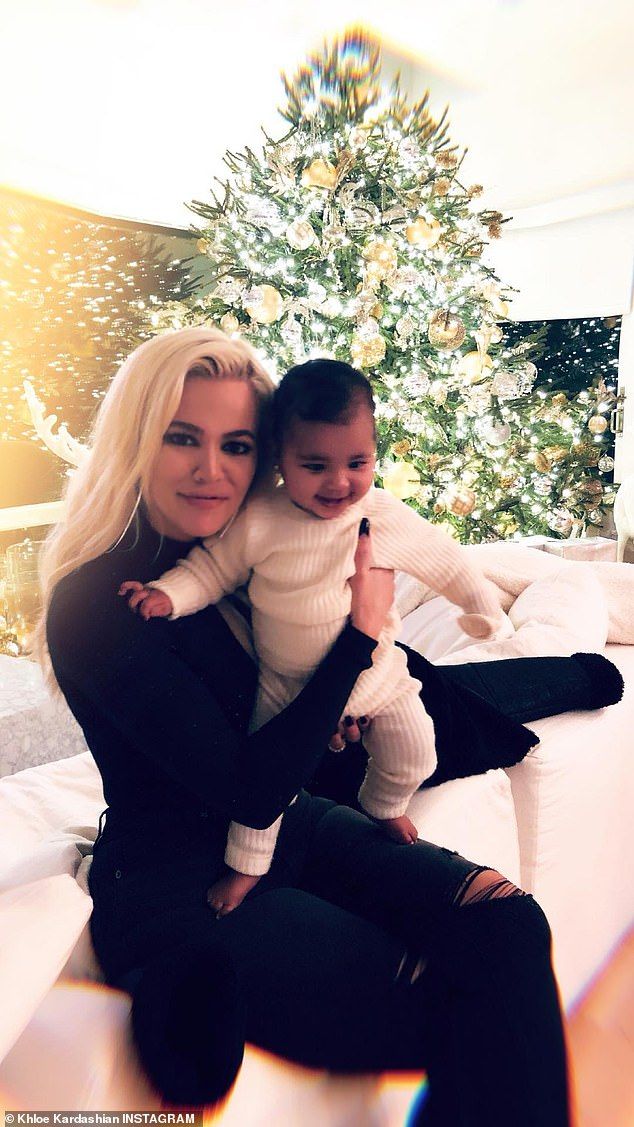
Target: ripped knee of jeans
[{"x": 484, "y": 884}]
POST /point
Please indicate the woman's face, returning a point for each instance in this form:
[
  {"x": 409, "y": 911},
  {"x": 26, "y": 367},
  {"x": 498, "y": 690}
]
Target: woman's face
[{"x": 207, "y": 459}]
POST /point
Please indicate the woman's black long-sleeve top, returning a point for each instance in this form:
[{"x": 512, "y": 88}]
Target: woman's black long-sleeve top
[{"x": 165, "y": 706}]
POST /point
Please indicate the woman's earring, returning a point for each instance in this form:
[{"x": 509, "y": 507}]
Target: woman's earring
[
  {"x": 135, "y": 509},
  {"x": 227, "y": 525}
]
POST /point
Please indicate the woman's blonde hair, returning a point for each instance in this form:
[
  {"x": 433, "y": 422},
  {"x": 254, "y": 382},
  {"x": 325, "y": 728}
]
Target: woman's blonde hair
[{"x": 102, "y": 496}]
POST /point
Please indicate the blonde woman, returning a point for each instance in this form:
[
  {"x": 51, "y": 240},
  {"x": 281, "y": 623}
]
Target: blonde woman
[{"x": 351, "y": 953}]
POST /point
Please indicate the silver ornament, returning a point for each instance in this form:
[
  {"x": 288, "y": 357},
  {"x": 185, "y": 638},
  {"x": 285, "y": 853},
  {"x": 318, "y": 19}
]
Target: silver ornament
[
  {"x": 362, "y": 216},
  {"x": 543, "y": 486},
  {"x": 264, "y": 214},
  {"x": 405, "y": 327},
  {"x": 229, "y": 290},
  {"x": 526, "y": 374},
  {"x": 605, "y": 463},
  {"x": 595, "y": 517},
  {"x": 405, "y": 280},
  {"x": 493, "y": 432},
  {"x": 300, "y": 235},
  {"x": 560, "y": 520},
  {"x": 395, "y": 217},
  {"x": 505, "y": 385},
  {"x": 291, "y": 333},
  {"x": 416, "y": 384}
]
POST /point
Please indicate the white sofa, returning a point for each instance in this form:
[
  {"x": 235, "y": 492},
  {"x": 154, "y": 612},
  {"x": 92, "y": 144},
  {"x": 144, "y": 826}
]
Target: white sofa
[{"x": 557, "y": 824}]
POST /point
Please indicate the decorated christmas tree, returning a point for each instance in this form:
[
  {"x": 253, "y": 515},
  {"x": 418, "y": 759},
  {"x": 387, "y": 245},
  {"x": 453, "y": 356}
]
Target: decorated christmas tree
[{"x": 353, "y": 235}]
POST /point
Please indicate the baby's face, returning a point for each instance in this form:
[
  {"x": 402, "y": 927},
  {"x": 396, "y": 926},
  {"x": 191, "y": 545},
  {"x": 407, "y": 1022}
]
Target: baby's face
[{"x": 329, "y": 466}]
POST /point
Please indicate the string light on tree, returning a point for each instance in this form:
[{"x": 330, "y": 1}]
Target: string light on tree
[{"x": 353, "y": 235}]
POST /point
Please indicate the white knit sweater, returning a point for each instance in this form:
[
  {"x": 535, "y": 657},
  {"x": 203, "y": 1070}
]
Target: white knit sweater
[{"x": 297, "y": 567}]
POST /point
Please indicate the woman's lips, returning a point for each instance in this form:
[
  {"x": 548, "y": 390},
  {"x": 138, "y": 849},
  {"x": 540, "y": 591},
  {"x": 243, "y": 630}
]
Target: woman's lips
[{"x": 197, "y": 502}]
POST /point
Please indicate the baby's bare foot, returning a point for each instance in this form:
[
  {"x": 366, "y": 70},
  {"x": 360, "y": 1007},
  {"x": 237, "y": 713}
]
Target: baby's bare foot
[
  {"x": 228, "y": 893},
  {"x": 400, "y": 829}
]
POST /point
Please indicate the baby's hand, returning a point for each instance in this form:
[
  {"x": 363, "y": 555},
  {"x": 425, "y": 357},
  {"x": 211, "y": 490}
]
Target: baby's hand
[
  {"x": 152, "y": 602},
  {"x": 229, "y": 892},
  {"x": 400, "y": 829}
]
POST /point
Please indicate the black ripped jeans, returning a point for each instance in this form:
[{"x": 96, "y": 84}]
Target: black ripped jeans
[{"x": 311, "y": 966}]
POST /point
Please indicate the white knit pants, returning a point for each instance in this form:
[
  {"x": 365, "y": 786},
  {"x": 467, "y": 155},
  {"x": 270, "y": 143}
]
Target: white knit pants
[{"x": 401, "y": 745}]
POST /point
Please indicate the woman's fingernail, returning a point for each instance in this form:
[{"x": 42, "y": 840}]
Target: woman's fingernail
[
  {"x": 363, "y": 719},
  {"x": 348, "y": 721},
  {"x": 364, "y": 527}
]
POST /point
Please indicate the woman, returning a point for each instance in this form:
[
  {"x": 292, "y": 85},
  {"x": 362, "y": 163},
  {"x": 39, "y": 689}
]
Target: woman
[{"x": 353, "y": 953}]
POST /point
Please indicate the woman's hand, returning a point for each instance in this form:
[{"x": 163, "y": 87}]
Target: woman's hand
[
  {"x": 372, "y": 588},
  {"x": 349, "y": 731}
]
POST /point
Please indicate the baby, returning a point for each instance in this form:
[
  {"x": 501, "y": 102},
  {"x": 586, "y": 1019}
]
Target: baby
[{"x": 295, "y": 547}]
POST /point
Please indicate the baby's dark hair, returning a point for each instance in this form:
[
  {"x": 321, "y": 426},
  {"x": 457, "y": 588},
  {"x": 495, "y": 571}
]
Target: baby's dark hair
[{"x": 319, "y": 391}]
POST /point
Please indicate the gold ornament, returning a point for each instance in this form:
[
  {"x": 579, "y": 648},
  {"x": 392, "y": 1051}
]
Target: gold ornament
[
  {"x": 203, "y": 246},
  {"x": 559, "y": 399},
  {"x": 508, "y": 480},
  {"x": 401, "y": 479},
  {"x": 475, "y": 190},
  {"x": 474, "y": 367},
  {"x": 496, "y": 334},
  {"x": 381, "y": 257},
  {"x": 597, "y": 424},
  {"x": 433, "y": 461},
  {"x": 229, "y": 323},
  {"x": 438, "y": 393},
  {"x": 499, "y": 308},
  {"x": 542, "y": 462},
  {"x": 473, "y": 250},
  {"x": 300, "y": 235},
  {"x": 461, "y": 501},
  {"x": 265, "y": 304},
  {"x": 445, "y": 331},
  {"x": 446, "y": 160},
  {"x": 402, "y": 447},
  {"x": 506, "y": 524},
  {"x": 319, "y": 174},
  {"x": 495, "y": 230},
  {"x": 369, "y": 352},
  {"x": 439, "y": 507},
  {"x": 441, "y": 186},
  {"x": 556, "y": 453},
  {"x": 376, "y": 310},
  {"x": 423, "y": 231}
]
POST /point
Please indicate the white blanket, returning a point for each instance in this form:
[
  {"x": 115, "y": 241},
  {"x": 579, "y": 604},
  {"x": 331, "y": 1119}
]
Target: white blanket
[
  {"x": 556, "y": 607},
  {"x": 512, "y": 568}
]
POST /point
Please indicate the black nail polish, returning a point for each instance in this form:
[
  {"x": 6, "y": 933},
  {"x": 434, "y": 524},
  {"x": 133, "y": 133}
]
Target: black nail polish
[
  {"x": 364, "y": 527},
  {"x": 363, "y": 719},
  {"x": 348, "y": 721}
]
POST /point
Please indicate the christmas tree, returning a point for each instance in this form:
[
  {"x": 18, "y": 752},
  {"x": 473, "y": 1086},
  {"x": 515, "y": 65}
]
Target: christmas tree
[{"x": 353, "y": 236}]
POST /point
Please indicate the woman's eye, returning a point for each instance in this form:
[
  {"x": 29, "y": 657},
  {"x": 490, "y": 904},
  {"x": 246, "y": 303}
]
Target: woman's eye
[
  {"x": 313, "y": 467},
  {"x": 179, "y": 438},
  {"x": 238, "y": 448},
  {"x": 358, "y": 465}
]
